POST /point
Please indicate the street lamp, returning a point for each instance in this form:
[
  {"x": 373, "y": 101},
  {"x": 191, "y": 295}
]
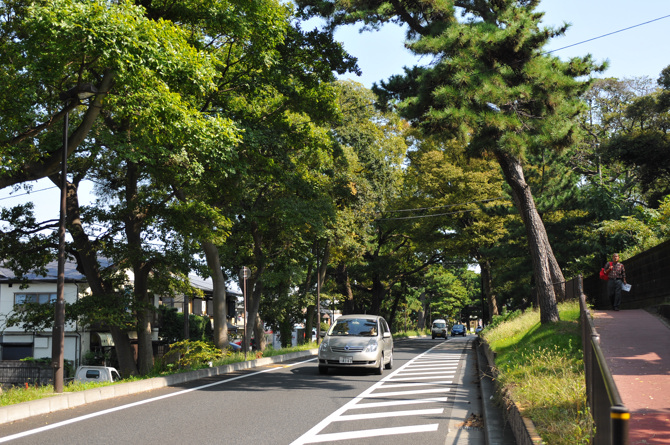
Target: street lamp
[{"x": 77, "y": 93}]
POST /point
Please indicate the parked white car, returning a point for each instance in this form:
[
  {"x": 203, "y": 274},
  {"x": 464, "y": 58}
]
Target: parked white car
[
  {"x": 96, "y": 374},
  {"x": 362, "y": 341}
]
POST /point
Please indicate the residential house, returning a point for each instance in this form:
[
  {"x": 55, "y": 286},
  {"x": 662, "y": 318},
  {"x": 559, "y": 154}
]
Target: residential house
[{"x": 16, "y": 344}]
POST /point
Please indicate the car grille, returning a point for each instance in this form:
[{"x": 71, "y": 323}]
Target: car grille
[
  {"x": 347, "y": 349},
  {"x": 355, "y": 363}
]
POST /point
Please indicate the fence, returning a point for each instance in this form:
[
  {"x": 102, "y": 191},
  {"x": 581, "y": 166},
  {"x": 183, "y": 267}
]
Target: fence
[
  {"x": 607, "y": 409},
  {"x": 14, "y": 373},
  {"x": 648, "y": 272}
]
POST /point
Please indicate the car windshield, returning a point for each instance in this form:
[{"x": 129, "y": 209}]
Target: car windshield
[
  {"x": 440, "y": 325},
  {"x": 365, "y": 327}
]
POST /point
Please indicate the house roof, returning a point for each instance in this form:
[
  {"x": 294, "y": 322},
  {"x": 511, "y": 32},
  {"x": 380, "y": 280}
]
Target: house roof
[
  {"x": 207, "y": 286},
  {"x": 71, "y": 273},
  {"x": 204, "y": 284}
]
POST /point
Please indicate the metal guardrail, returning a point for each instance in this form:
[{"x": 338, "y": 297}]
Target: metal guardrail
[{"x": 607, "y": 409}]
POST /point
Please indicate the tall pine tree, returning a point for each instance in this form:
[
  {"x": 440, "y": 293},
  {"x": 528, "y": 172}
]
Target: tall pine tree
[{"x": 489, "y": 84}]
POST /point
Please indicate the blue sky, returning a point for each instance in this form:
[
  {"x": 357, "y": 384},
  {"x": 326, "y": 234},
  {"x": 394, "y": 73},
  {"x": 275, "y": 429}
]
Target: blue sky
[{"x": 640, "y": 51}]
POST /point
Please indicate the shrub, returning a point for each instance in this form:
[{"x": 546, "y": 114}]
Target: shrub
[{"x": 190, "y": 354}]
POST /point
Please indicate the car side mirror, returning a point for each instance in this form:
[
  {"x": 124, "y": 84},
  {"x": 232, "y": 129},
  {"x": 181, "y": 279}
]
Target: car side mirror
[{"x": 387, "y": 334}]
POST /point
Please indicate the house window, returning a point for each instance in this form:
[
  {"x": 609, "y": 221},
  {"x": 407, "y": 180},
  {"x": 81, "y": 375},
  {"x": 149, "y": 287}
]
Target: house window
[
  {"x": 16, "y": 351},
  {"x": 41, "y": 298}
]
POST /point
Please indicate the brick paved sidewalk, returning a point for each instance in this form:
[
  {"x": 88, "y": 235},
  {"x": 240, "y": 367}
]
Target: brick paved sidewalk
[{"x": 636, "y": 345}]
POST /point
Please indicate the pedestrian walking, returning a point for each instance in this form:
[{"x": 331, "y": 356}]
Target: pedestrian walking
[{"x": 616, "y": 274}]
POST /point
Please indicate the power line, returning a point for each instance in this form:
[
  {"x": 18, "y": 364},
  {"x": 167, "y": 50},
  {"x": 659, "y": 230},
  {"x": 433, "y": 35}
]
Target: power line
[
  {"x": 437, "y": 214},
  {"x": 447, "y": 205},
  {"x": 426, "y": 216},
  {"x": 27, "y": 193},
  {"x": 609, "y": 34}
]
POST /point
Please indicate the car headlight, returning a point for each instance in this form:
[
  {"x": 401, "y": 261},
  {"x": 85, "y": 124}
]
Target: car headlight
[
  {"x": 323, "y": 347},
  {"x": 372, "y": 346}
]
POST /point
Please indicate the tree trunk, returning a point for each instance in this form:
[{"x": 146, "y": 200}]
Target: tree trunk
[
  {"x": 344, "y": 287},
  {"x": 538, "y": 243},
  {"x": 219, "y": 295},
  {"x": 487, "y": 288},
  {"x": 255, "y": 284},
  {"x": 87, "y": 261},
  {"x": 259, "y": 333},
  {"x": 133, "y": 220},
  {"x": 421, "y": 322},
  {"x": 378, "y": 294},
  {"x": 321, "y": 278},
  {"x": 145, "y": 315},
  {"x": 394, "y": 310},
  {"x": 310, "y": 321},
  {"x": 310, "y": 310},
  {"x": 253, "y": 303}
]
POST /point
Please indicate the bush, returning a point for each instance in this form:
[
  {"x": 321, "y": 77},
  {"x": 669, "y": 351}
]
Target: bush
[{"x": 190, "y": 354}]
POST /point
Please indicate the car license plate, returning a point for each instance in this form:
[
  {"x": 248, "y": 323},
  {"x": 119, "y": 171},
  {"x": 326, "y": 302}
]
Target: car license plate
[{"x": 346, "y": 360}]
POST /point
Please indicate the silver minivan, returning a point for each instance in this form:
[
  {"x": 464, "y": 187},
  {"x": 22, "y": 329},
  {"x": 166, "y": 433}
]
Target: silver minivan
[{"x": 357, "y": 341}]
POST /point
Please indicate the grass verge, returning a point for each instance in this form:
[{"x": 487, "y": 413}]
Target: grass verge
[
  {"x": 541, "y": 368},
  {"x": 21, "y": 394}
]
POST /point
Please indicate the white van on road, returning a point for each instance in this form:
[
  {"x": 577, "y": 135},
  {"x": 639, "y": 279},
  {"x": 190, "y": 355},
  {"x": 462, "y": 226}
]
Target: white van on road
[{"x": 439, "y": 329}]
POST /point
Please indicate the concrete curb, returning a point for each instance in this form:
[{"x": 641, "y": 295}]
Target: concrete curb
[
  {"x": 496, "y": 429},
  {"x": 69, "y": 400},
  {"x": 522, "y": 428}
]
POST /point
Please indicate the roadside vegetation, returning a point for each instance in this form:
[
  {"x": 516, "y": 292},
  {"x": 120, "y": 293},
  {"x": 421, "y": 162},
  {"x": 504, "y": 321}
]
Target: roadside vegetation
[
  {"x": 201, "y": 358},
  {"x": 541, "y": 369}
]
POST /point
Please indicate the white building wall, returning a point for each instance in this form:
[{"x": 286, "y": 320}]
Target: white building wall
[{"x": 42, "y": 342}]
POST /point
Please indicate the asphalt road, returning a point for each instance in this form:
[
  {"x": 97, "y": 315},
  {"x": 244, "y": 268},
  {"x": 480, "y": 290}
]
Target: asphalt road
[{"x": 431, "y": 396}]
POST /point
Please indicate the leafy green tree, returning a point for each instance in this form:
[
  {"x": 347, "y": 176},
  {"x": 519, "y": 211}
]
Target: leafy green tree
[
  {"x": 464, "y": 196},
  {"x": 368, "y": 175},
  {"x": 155, "y": 79},
  {"x": 276, "y": 199},
  {"x": 490, "y": 85},
  {"x": 135, "y": 63}
]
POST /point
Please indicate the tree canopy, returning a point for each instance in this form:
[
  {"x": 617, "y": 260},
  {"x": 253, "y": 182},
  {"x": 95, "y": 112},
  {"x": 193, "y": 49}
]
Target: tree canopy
[{"x": 219, "y": 138}]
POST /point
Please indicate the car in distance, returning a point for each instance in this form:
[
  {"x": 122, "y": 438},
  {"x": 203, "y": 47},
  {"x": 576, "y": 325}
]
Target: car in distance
[
  {"x": 458, "y": 329},
  {"x": 439, "y": 329},
  {"x": 357, "y": 341}
]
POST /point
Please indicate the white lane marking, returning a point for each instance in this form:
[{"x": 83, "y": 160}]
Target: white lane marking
[
  {"x": 405, "y": 374},
  {"x": 415, "y": 384},
  {"x": 371, "y": 433},
  {"x": 399, "y": 403},
  {"x": 412, "y": 379},
  {"x": 432, "y": 368},
  {"x": 381, "y": 415},
  {"x": 131, "y": 405},
  {"x": 313, "y": 436},
  {"x": 404, "y": 393},
  {"x": 433, "y": 363}
]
